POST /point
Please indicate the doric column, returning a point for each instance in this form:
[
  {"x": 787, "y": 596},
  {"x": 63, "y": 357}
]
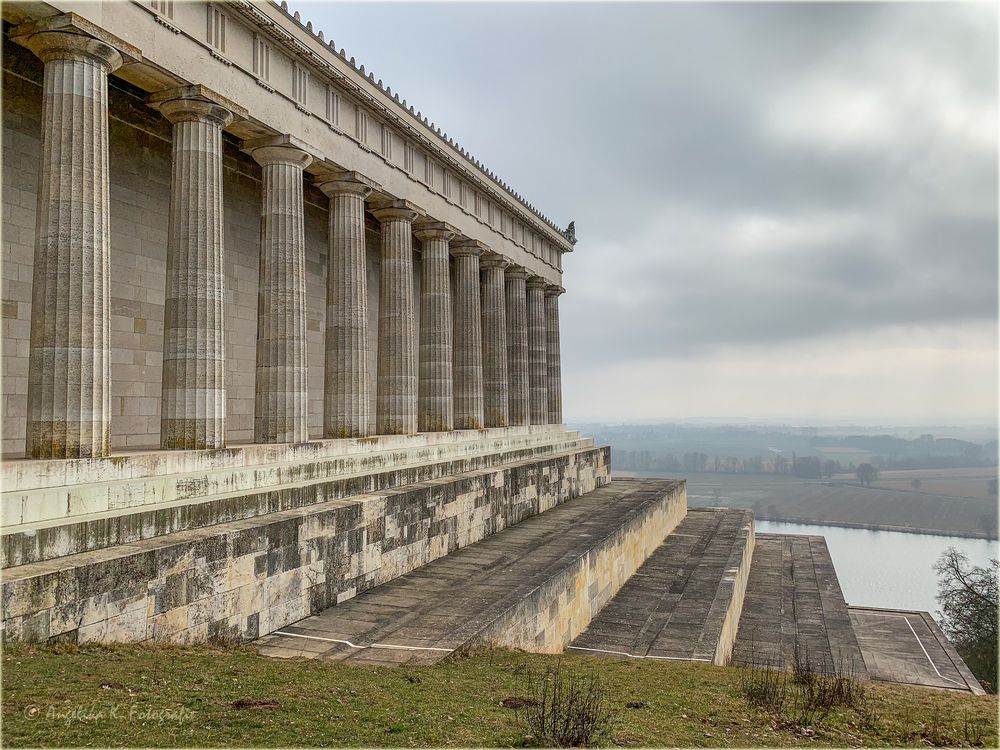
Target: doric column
[
  {"x": 468, "y": 336},
  {"x": 281, "y": 407},
  {"x": 517, "y": 347},
  {"x": 495, "y": 391},
  {"x": 538, "y": 372},
  {"x": 396, "y": 393},
  {"x": 346, "y": 388},
  {"x": 69, "y": 370},
  {"x": 193, "y": 414},
  {"x": 436, "y": 407},
  {"x": 553, "y": 359}
]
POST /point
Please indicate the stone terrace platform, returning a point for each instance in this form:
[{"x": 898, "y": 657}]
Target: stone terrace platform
[
  {"x": 908, "y": 647},
  {"x": 535, "y": 585},
  {"x": 685, "y": 601},
  {"x": 794, "y": 602}
]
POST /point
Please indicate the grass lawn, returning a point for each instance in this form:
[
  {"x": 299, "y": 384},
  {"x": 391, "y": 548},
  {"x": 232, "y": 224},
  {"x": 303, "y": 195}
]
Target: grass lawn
[{"x": 214, "y": 696}]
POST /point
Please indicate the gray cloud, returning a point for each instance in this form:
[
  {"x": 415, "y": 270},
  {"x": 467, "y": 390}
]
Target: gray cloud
[{"x": 739, "y": 173}]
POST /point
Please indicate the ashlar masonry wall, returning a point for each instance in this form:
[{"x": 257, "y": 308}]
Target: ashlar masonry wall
[{"x": 247, "y": 578}]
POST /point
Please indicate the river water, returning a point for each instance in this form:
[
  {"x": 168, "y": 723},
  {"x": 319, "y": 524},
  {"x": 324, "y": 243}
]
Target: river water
[{"x": 887, "y": 568}]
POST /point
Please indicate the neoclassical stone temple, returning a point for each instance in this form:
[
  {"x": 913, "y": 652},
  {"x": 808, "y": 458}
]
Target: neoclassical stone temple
[
  {"x": 243, "y": 278},
  {"x": 281, "y": 364},
  {"x": 165, "y": 133}
]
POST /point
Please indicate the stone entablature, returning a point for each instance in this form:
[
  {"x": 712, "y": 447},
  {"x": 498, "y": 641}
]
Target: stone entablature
[
  {"x": 349, "y": 135},
  {"x": 69, "y": 378}
]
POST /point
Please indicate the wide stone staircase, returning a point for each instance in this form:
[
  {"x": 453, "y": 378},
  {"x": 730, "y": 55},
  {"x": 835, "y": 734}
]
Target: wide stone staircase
[
  {"x": 189, "y": 546},
  {"x": 408, "y": 549}
]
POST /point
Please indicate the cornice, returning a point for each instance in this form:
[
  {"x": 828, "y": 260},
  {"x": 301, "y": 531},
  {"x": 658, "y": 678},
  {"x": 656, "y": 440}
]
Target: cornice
[{"x": 390, "y": 107}]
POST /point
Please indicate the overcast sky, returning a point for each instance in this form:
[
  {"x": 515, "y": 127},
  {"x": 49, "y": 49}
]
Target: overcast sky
[{"x": 784, "y": 211}]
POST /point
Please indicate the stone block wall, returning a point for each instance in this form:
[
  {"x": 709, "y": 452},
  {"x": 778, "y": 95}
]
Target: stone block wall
[
  {"x": 246, "y": 578},
  {"x": 724, "y": 617},
  {"x": 560, "y": 609}
]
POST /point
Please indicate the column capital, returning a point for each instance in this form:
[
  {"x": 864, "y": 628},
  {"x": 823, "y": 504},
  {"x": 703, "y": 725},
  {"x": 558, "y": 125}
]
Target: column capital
[
  {"x": 346, "y": 183},
  {"x": 516, "y": 272},
  {"x": 279, "y": 149},
  {"x": 71, "y": 37},
  {"x": 554, "y": 290},
  {"x": 434, "y": 230},
  {"x": 466, "y": 246},
  {"x": 196, "y": 103},
  {"x": 537, "y": 282},
  {"x": 399, "y": 210},
  {"x": 493, "y": 260}
]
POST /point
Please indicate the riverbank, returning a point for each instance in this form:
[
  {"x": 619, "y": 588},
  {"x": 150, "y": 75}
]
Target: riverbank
[
  {"x": 874, "y": 527},
  {"x": 837, "y": 503}
]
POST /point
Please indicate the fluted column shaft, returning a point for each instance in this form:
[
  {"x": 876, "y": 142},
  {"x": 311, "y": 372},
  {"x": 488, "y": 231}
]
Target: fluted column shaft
[
  {"x": 396, "y": 394},
  {"x": 517, "y": 347},
  {"x": 194, "y": 357},
  {"x": 69, "y": 370},
  {"x": 435, "y": 400},
  {"x": 281, "y": 407},
  {"x": 492, "y": 300},
  {"x": 553, "y": 358},
  {"x": 468, "y": 339},
  {"x": 537, "y": 352},
  {"x": 346, "y": 388}
]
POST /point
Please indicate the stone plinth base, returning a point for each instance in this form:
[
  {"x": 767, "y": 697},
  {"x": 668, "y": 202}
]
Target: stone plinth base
[
  {"x": 242, "y": 579},
  {"x": 57, "y": 508},
  {"x": 685, "y": 601},
  {"x": 533, "y": 586}
]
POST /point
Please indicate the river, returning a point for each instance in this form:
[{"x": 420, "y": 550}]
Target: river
[{"x": 887, "y": 568}]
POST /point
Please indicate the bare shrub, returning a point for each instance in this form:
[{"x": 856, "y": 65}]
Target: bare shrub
[
  {"x": 566, "y": 709},
  {"x": 807, "y": 696}
]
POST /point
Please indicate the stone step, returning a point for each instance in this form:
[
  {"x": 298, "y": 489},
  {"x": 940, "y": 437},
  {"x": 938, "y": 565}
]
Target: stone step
[
  {"x": 908, "y": 647},
  {"x": 684, "y": 602},
  {"x": 36, "y": 492},
  {"x": 245, "y": 578},
  {"x": 82, "y": 532},
  {"x": 533, "y": 587},
  {"x": 794, "y": 608}
]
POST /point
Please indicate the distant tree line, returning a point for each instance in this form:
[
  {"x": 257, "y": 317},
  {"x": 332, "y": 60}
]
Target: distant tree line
[{"x": 805, "y": 467}]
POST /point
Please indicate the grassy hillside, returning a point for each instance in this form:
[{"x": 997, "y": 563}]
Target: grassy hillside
[{"x": 207, "y": 696}]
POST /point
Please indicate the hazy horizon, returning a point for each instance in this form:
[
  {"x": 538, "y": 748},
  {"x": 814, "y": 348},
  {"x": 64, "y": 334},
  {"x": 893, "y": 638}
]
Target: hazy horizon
[{"x": 782, "y": 208}]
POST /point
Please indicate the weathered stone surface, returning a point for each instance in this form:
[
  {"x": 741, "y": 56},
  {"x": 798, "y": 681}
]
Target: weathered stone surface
[
  {"x": 685, "y": 601},
  {"x": 346, "y": 396},
  {"x": 533, "y": 586},
  {"x": 553, "y": 357},
  {"x": 493, "y": 302},
  {"x": 281, "y": 404},
  {"x": 794, "y": 605},
  {"x": 468, "y": 338},
  {"x": 436, "y": 387},
  {"x": 518, "y": 388},
  {"x": 144, "y": 500},
  {"x": 908, "y": 647},
  {"x": 69, "y": 373},
  {"x": 246, "y": 578},
  {"x": 538, "y": 362},
  {"x": 396, "y": 411},
  {"x": 193, "y": 411}
]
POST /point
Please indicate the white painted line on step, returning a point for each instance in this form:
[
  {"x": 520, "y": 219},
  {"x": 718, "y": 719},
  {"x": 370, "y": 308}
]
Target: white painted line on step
[
  {"x": 637, "y": 656},
  {"x": 354, "y": 645},
  {"x": 921, "y": 644},
  {"x": 962, "y": 684}
]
